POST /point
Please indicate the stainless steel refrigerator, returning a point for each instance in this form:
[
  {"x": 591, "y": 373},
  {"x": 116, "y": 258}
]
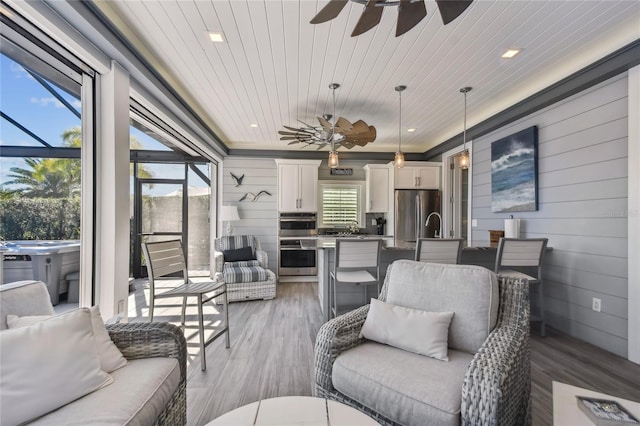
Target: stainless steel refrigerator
[{"x": 412, "y": 208}]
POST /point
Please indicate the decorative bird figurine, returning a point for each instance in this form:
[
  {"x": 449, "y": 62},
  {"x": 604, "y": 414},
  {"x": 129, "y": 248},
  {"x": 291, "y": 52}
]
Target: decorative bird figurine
[
  {"x": 253, "y": 197},
  {"x": 236, "y": 179}
]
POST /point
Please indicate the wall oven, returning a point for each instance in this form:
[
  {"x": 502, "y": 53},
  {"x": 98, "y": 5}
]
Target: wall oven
[{"x": 297, "y": 254}]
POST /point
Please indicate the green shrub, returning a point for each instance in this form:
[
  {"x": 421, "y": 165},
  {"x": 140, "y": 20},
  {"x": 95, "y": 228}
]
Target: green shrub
[{"x": 40, "y": 219}]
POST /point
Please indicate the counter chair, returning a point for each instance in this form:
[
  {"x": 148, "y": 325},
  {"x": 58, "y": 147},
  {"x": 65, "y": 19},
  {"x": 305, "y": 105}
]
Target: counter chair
[
  {"x": 166, "y": 259},
  {"x": 521, "y": 253},
  {"x": 439, "y": 250},
  {"x": 356, "y": 262}
]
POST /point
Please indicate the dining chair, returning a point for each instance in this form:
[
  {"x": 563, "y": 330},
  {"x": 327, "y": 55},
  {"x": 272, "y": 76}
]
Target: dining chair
[
  {"x": 521, "y": 253},
  {"x": 439, "y": 250},
  {"x": 165, "y": 259},
  {"x": 356, "y": 263}
]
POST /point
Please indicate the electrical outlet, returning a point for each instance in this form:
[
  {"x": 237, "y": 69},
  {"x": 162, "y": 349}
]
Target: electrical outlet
[
  {"x": 596, "y": 304},
  {"x": 373, "y": 222},
  {"x": 474, "y": 223}
]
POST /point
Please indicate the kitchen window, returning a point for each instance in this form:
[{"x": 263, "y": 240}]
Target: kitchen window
[{"x": 341, "y": 204}]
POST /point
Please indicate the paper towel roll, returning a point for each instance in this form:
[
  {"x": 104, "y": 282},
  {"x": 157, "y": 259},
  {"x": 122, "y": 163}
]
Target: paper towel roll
[{"x": 512, "y": 228}]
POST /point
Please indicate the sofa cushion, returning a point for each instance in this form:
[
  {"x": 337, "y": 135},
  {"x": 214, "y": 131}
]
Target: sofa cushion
[
  {"x": 47, "y": 365},
  {"x": 110, "y": 356},
  {"x": 24, "y": 298},
  {"x": 469, "y": 291},
  {"x": 405, "y": 387},
  {"x": 140, "y": 392},
  {"x": 421, "y": 332}
]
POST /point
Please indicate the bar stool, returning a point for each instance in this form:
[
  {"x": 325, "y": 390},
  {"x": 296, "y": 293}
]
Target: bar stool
[
  {"x": 524, "y": 252},
  {"x": 439, "y": 250},
  {"x": 356, "y": 262}
]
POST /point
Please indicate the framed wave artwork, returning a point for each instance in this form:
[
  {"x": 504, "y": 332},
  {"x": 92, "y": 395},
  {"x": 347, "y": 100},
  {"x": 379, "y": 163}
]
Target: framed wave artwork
[{"x": 514, "y": 172}]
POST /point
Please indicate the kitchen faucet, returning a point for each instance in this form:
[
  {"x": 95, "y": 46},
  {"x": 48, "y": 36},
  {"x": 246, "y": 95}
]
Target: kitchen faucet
[{"x": 438, "y": 233}]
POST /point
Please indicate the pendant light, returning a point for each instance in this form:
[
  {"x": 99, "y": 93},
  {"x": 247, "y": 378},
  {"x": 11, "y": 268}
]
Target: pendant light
[
  {"x": 333, "y": 155},
  {"x": 463, "y": 160},
  {"x": 398, "y": 161}
]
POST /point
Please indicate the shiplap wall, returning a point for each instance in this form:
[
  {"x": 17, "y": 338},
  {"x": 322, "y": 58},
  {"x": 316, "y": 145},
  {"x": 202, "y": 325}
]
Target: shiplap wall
[
  {"x": 582, "y": 169},
  {"x": 260, "y": 217}
]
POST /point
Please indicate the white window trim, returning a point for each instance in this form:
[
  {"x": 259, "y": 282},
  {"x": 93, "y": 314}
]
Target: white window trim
[{"x": 446, "y": 190}]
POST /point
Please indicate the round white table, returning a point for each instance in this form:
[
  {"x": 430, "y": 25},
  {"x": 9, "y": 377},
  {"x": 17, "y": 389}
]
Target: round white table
[{"x": 294, "y": 410}]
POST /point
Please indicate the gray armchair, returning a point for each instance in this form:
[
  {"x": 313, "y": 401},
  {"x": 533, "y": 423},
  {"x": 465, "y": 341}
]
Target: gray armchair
[
  {"x": 246, "y": 279},
  {"x": 485, "y": 382}
]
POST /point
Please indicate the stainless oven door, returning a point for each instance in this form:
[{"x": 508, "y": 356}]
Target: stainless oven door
[{"x": 296, "y": 261}]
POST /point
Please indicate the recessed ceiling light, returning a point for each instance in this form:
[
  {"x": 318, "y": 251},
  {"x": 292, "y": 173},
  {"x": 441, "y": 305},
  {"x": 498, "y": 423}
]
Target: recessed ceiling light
[
  {"x": 253, "y": 125},
  {"x": 411, "y": 130},
  {"x": 510, "y": 53},
  {"x": 216, "y": 37}
]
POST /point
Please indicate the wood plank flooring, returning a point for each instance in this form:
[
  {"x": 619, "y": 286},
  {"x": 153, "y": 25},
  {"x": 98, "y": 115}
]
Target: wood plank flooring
[{"x": 271, "y": 355}]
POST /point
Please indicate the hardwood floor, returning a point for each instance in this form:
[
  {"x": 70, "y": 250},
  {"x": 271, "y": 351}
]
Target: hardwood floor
[{"x": 271, "y": 355}]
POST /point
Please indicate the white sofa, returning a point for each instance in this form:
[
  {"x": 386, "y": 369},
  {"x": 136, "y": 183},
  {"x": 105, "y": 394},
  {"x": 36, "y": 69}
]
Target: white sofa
[{"x": 149, "y": 390}]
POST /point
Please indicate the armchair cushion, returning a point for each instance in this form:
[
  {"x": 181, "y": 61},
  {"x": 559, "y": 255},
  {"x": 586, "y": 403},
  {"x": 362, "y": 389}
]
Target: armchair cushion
[
  {"x": 140, "y": 392},
  {"x": 235, "y": 255},
  {"x": 420, "y": 332},
  {"x": 110, "y": 357},
  {"x": 233, "y": 273},
  {"x": 469, "y": 291},
  {"x": 47, "y": 365},
  {"x": 235, "y": 242},
  {"x": 405, "y": 387}
]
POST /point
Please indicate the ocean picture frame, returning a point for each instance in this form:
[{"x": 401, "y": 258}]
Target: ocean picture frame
[{"x": 514, "y": 172}]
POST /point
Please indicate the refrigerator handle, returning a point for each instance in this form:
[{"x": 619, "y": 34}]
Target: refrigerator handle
[{"x": 417, "y": 213}]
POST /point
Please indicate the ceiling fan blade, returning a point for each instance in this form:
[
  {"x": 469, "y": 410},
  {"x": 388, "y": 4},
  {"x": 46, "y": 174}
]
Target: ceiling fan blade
[
  {"x": 369, "y": 18},
  {"x": 306, "y": 125},
  {"x": 360, "y": 126},
  {"x": 293, "y": 129},
  {"x": 409, "y": 14},
  {"x": 451, "y": 9},
  {"x": 330, "y": 11},
  {"x": 325, "y": 124},
  {"x": 294, "y": 142},
  {"x": 344, "y": 124}
]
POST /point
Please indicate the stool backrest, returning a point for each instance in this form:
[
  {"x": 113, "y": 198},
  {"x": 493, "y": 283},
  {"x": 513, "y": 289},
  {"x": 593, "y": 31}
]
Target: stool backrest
[
  {"x": 357, "y": 253},
  {"x": 520, "y": 252},
  {"x": 439, "y": 250}
]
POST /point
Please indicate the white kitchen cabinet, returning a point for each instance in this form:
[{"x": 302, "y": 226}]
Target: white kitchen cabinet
[
  {"x": 418, "y": 176},
  {"x": 298, "y": 185},
  {"x": 378, "y": 189}
]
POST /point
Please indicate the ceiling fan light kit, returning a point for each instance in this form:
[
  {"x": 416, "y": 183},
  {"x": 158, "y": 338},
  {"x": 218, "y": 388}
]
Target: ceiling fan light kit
[
  {"x": 398, "y": 161},
  {"x": 410, "y": 13},
  {"x": 463, "y": 159}
]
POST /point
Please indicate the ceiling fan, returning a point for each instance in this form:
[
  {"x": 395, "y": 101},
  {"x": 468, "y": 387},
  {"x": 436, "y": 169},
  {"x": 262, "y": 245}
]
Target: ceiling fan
[
  {"x": 410, "y": 12},
  {"x": 341, "y": 133}
]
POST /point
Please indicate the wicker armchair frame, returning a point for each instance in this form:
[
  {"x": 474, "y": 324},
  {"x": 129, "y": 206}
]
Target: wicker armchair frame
[
  {"x": 497, "y": 385},
  {"x": 157, "y": 339}
]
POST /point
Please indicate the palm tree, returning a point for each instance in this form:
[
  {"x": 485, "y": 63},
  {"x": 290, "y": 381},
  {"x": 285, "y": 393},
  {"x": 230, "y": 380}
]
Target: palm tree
[{"x": 58, "y": 177}]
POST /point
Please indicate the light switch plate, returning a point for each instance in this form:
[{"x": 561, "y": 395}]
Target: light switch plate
[{"x": 474, "y": 223}]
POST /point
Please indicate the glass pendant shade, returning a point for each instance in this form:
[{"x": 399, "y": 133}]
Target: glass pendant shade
[
  {"x": 398, "y": 161},
  {"x": 463, "y": 160},
  {"x": 333, "y": 159}
]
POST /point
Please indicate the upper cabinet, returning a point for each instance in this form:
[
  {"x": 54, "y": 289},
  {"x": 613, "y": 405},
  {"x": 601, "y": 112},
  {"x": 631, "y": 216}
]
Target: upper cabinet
[
  {"x": 378, "y": 187},
  {"x": 418, "y": 175},
  {"x": 298, "y": 185}
]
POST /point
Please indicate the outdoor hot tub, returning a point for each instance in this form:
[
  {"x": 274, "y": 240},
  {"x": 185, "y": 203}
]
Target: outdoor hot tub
[{"x": 47, "y": 261}]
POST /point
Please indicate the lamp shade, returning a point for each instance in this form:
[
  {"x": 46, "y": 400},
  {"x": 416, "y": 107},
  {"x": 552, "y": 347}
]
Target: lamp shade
[{"x": 229, "y": 213}]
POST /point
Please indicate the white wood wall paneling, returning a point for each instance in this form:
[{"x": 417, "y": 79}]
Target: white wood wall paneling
[
  {"x": 583, "y": 152},
  {"x": 260, "y": 217}
]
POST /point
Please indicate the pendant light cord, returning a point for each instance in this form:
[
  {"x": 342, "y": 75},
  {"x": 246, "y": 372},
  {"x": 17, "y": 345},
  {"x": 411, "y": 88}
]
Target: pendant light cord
[
  {"x": 464, "y": 132},
  {"x": 400, "y": 124},
  {"x": 333, "y": 129}
]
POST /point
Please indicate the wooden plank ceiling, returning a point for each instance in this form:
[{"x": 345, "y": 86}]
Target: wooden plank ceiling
[{"x": 274, "y": 68}]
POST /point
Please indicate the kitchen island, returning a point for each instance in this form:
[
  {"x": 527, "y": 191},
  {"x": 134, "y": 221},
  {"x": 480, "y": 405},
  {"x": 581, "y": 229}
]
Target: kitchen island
[{"x": 483, "y": 253}]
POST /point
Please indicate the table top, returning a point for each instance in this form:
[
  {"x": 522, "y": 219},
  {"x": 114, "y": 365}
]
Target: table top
[
  {"x": 565, "y": 407},
  {"x": 293, "y": 410}
]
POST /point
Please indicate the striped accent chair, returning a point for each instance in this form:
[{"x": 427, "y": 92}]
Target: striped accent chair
[{"x": 246, "y": 278}]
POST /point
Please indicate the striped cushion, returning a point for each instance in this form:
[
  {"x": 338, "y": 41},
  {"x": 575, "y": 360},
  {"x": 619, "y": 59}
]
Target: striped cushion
[
  {"x": 233, "y": 273},
  {"x": 243, "y": 263}
]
